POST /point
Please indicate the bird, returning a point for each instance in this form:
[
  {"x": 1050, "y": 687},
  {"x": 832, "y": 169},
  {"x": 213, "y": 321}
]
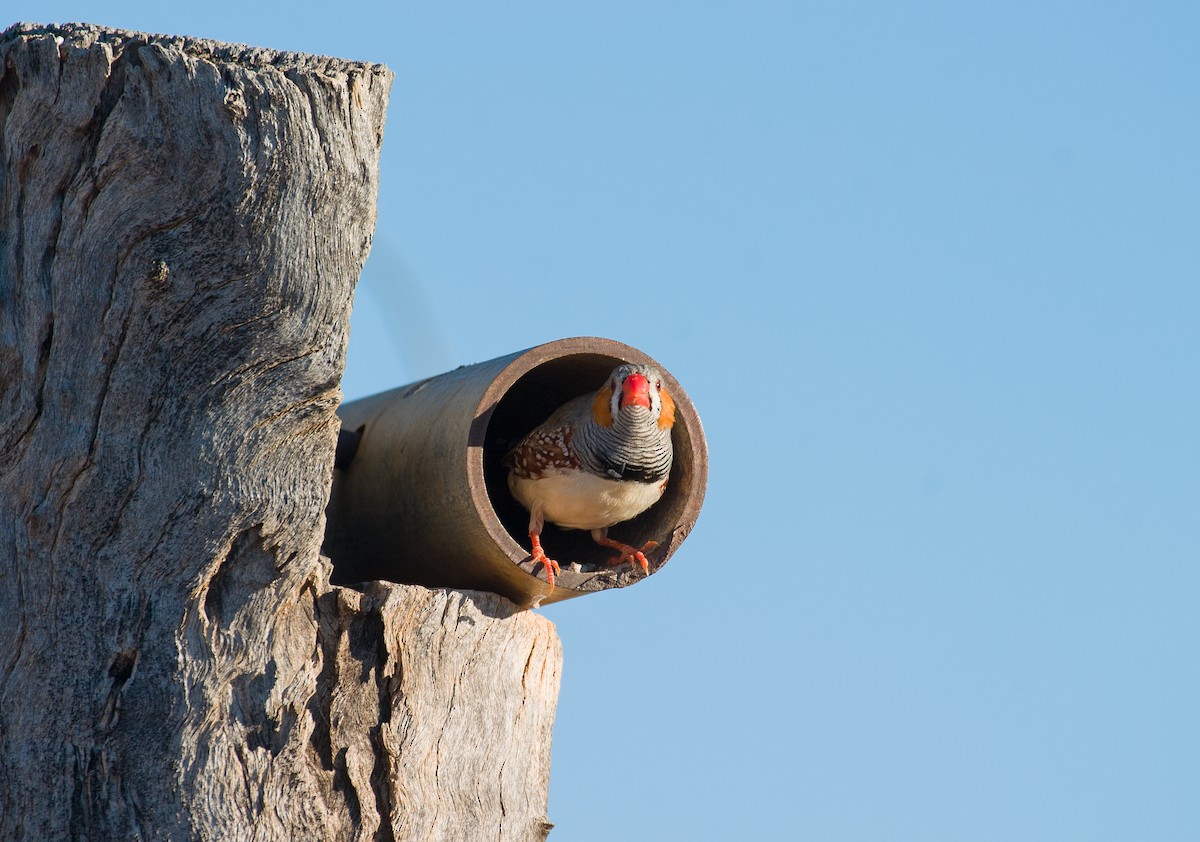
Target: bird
[{"x": 598, "y": 460}]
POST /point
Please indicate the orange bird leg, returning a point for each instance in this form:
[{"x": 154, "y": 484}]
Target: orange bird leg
[
  {"x": 539, "y": 555},
  {"x": 627, "y": 553}
]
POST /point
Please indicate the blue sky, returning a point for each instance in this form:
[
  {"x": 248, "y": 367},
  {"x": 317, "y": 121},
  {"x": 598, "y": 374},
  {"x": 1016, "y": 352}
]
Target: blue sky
[{"x": 931, "y": 274}]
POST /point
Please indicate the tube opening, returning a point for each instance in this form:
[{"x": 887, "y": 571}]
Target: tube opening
[{"x": 530, "y": 401}]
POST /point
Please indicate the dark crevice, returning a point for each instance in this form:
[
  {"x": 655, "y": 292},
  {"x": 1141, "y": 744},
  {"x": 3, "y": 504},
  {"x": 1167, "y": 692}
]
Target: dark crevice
[
  {"x": 250, "y": 694},
  {"x": 368, "y": 645},
  {"x": 120, "y": 670},
  {"x": 347, "y": 447},
  {"x": 10, "y": 86},
  {"x": 380, "y": 775},
  {"x": 325, "y": 611},
  {"x": 342, "y": 784},
  {"x": 39, "y": 400},
  {"x": 387, "y": 685}
]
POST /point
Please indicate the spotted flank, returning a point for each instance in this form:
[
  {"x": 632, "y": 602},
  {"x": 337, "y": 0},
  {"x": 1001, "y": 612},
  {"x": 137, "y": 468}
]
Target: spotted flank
[{"x": 548, "y": 448}]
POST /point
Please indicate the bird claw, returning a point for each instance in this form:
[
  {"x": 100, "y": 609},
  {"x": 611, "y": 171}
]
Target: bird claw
[
  {"x": 548, "y": 564},
  {"x": 633, "y": 555}
]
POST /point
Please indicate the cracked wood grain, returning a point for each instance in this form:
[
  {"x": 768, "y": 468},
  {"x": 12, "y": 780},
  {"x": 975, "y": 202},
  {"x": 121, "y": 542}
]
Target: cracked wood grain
[{"x": 182, "y": 226}]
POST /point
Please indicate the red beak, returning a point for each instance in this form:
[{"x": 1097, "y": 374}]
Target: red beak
[{"x": 635, "y": 390}]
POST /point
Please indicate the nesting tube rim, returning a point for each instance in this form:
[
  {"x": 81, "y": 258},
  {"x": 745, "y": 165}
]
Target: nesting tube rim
[{"x": 522, "y": 364}]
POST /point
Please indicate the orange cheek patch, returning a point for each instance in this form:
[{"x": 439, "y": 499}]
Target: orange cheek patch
[
  {"x": 602, "y": 407},
  {"x": 666, "y": 418}
]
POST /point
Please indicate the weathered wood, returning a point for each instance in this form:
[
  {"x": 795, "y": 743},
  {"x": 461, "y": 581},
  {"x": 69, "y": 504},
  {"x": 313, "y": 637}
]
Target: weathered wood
[{"x": 181, "y": 227}]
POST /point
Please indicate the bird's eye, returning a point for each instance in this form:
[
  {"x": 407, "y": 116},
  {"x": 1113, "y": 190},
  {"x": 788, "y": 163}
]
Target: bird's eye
[{"x": 658, "y": 385}]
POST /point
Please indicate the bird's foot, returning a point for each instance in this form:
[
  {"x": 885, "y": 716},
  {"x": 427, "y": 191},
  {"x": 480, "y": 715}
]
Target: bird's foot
[
  {"x": 548, "y": 564},
  {"x": 627, "y": 553}
]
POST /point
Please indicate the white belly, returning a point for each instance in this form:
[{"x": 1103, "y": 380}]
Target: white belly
[{"x": 579, "y": 500}]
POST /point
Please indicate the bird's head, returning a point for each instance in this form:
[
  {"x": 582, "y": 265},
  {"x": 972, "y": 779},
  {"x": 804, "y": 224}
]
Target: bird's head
[{"x": 632, "y": 390}]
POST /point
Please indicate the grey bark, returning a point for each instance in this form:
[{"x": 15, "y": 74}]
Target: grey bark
[{"x": 181, "y": 227}]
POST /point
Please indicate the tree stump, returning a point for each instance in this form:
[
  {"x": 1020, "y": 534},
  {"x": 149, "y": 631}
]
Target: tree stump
[{"x": 181, "y": 227}]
